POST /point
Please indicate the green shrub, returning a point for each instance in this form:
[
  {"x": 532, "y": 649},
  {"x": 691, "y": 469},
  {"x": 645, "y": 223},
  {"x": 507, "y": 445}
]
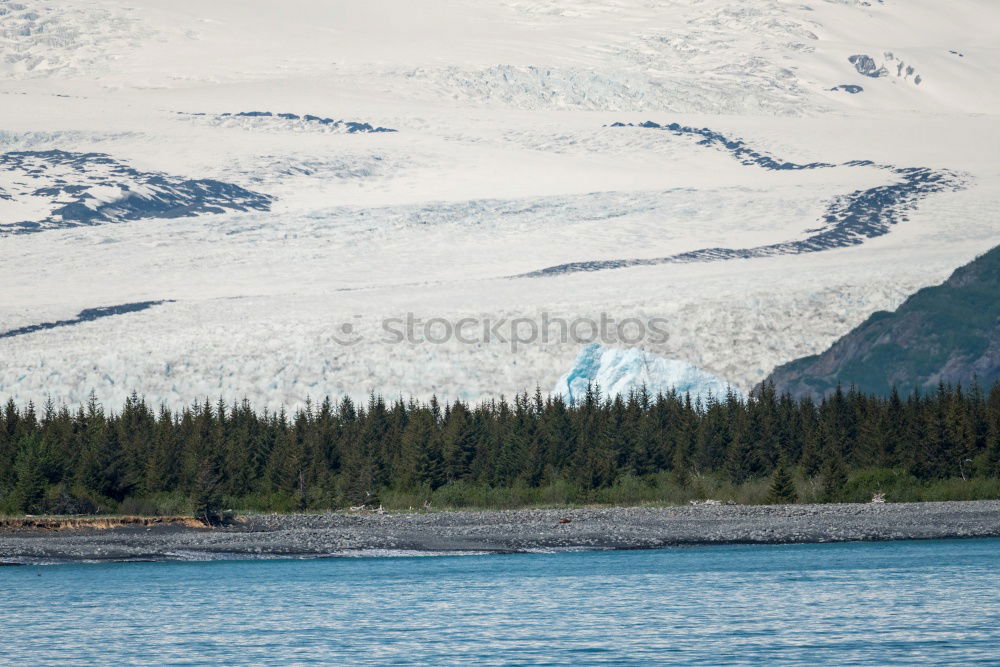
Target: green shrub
[
  {"x": 957, "y": 488},
  {"x": 158, "y": 504},
  {"x": 559, "y": 492},
  {"x": 897, "y": 485},
  {"x": 277, "y": 501},
  {"x": 61, "y": 499}
]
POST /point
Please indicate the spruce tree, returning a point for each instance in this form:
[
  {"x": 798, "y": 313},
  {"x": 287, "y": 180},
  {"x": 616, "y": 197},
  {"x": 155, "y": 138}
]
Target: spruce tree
[
  {"x": 742, "y": 462},
  {"x": 207, "y": 498},
  {"x": 810, "y": 461},
  {"x": 991, "y": 464},
  {"x": 782, "y": 490},
  {"x": 29, "y": 490},
  {"x": 681, "y": 467},
  {"x": 834, "y": 478}
]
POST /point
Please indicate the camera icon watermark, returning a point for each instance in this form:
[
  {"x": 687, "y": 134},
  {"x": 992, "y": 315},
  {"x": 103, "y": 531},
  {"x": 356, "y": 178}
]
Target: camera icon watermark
[
  {"x": 346, "y": 333},
  {"x": 516, "y": 332}
]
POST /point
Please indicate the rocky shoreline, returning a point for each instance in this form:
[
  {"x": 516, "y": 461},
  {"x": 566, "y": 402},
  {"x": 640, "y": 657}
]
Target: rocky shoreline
[{"x": 532, "y": 530}]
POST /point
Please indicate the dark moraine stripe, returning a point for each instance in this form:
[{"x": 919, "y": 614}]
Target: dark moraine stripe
[
  {"x": 849, "y": 219},
  {"x": 352, "y": 127},
  {"x": 86, "y": 315}
]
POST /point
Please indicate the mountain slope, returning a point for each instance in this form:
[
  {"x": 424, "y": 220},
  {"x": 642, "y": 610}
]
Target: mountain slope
[{"x": 950, "y": 333}]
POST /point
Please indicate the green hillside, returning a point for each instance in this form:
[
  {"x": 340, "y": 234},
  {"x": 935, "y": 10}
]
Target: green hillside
[{"x": 949, "y": 332}]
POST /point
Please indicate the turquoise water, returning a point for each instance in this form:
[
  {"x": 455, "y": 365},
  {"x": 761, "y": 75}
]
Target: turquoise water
[{"x": 844, "y": 604}]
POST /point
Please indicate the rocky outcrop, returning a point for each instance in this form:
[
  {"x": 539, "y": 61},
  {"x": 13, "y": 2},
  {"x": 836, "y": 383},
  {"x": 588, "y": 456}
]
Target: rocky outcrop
[
  {"x": 64, "y": 189},
  {"x": 866, "y": 65}
]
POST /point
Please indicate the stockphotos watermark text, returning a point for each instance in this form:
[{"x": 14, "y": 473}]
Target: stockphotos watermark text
[{"x": 516, "y": 332}]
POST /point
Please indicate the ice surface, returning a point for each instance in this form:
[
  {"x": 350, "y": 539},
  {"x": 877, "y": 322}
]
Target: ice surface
[
  {"x": 86, "y": 315},
  {"x": 848, "y": 220},
  {"x": 615, "y": 372},
  {"x": 505, "y": 162}
]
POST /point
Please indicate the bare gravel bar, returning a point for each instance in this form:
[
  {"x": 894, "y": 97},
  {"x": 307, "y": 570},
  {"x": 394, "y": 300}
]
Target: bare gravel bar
[{"x": 317, "y": 535}]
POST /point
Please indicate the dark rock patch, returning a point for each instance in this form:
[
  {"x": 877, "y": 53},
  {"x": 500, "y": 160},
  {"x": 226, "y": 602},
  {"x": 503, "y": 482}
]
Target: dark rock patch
[
  {"x": 866, "y": 66},
  {"x": 350, "y": 127},
  {"x": 94, "y": 188}
]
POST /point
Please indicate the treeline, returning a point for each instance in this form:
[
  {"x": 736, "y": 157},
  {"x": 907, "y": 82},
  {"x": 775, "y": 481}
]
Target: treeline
[{"x": 532, "y": 449}]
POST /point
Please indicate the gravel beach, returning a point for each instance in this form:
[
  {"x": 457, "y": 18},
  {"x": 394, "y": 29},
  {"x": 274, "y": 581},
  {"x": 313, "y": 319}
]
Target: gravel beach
[{"x": 344, "y": 534}]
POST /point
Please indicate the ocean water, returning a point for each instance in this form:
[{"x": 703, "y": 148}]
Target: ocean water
[{"x": 844, "y": 604}]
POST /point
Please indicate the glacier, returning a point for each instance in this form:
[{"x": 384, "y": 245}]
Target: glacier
[
  {"x": 231, "y": 163},
  {"x": 616, "y": 371}
]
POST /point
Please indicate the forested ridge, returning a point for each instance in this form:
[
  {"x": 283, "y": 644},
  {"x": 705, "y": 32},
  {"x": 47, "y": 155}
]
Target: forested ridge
[{"x": 532, "y": 449}]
